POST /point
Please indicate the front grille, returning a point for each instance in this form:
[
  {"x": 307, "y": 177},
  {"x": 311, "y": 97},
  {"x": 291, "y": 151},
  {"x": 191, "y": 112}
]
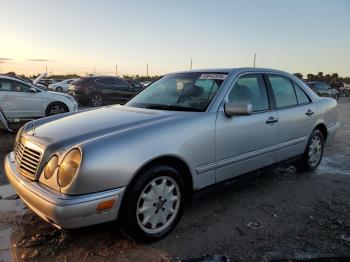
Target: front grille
[{"x": 27, "y": 160}]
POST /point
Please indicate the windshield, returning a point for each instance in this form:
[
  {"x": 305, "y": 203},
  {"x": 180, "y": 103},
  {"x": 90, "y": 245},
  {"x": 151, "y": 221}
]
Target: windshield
[{"x": 182, "y": 92}]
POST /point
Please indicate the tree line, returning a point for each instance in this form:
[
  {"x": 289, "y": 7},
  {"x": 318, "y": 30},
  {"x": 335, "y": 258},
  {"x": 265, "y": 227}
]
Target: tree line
[{"x": 329, "y": 78}]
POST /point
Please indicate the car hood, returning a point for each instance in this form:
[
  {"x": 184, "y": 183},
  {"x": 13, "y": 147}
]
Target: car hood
[{"x": 81, "y": 126}]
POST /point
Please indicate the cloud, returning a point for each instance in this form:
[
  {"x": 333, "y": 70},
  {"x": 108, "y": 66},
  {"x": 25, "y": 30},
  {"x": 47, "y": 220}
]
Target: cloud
[
  {"x": 38, "y": 60},
  {"x": 5, "y": 59}
]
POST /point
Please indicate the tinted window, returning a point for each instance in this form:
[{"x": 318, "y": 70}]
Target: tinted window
[
  {"x": 120, "y": 83},
  {"x": 283, "y": 90},
  {"x": 250, "y": 89},
  {"x": 107, "y": 81},
  {"x": 301, "y": 95},
  {"x": 6, "y": 85}
]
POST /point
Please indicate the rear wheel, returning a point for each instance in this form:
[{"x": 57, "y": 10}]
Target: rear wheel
[
  {"x": 96, "y": 100},
  {"x": 154, "y": 204},
  {"x": 313, "y": 153},
  {"x": 56, "y": 108}
]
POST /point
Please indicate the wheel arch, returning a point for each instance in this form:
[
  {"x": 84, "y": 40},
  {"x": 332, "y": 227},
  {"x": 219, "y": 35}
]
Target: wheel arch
[
  {"x": 172, "y": 161},
  {"x": 323, "y": 129}
]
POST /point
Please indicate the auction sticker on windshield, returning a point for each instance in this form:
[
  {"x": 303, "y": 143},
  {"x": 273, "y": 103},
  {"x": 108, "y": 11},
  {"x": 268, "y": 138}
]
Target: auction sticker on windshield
[{"x": 213, "y": 76}]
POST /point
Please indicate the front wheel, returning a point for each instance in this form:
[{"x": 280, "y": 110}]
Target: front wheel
[
  {"x": 313, "y": 153},
  {"x": 56, "y": 108},
  {"x": 154, "y": 204}
]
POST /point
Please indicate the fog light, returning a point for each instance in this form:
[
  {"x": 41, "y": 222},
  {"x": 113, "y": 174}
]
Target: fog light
[{"x": 105, "y": 205}]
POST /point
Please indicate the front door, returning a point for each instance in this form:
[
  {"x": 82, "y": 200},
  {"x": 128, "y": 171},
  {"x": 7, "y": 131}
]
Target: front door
[
  {"x": 17, "y": 100},
  {"x": 246, "y": 143}
]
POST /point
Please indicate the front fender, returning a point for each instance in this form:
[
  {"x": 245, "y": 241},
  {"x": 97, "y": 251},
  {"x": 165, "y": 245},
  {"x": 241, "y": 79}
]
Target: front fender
[{"x": 113, "y": 160}]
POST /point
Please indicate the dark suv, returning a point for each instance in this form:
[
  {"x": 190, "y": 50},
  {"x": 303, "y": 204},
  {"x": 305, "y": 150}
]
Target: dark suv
[
  {"x": 322, "y": 89},
  {"x": 100, "y": 90}
]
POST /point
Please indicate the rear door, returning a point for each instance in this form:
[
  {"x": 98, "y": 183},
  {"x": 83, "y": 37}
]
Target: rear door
[
  {"x": 246, "y": 143},
  {"x": 122, "y": 91},
  {"x": 296, "y": 114}
]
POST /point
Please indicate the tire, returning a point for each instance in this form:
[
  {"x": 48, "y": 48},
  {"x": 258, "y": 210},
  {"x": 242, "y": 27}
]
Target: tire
[
  {"x": 153, "y": 205},
  {"x": 56, "y": 108},
  {"x": 313, "y": 153},
  {"x": 59, "y": 89},
  {"x": 96, "y": 100}
]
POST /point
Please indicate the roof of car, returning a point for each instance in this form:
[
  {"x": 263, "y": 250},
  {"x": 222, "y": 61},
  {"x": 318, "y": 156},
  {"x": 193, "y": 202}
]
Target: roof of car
[
  {"x": 230, "y": 70},
  {"x": 15, "y": 78}
]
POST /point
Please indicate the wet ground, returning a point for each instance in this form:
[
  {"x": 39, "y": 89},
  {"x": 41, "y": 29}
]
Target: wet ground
[{"x": 275, "y": 215}]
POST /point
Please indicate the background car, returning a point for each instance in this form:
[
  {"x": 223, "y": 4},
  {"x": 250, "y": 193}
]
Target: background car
[
  {"x": 136, "y": 84},
  {"x": 322, "y": 89},
  {"x": 46, "y": 82},
  {"x": 23, "y": 100},
  {"x": 61, "y": 86},
  {"x": 100, "y": 90}
]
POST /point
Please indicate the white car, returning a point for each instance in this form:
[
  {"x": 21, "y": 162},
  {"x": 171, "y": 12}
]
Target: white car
[
  {"x": 20, "y": 100},
  {"x": 61, "y": 86}
]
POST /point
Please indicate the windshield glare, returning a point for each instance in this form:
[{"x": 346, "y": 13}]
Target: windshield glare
[{"x": 182, "y": 91}]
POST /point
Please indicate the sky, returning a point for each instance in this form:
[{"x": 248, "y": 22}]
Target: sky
[{"x": 86, "y": 36}]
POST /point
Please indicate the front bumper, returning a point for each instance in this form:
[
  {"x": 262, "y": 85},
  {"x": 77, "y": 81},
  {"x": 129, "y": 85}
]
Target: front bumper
[{"x": 61, "y": 210}]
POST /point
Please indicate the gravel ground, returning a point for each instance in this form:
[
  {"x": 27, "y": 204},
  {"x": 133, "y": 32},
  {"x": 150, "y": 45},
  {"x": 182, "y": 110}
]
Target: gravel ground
[{"x": 275, "y": 215}]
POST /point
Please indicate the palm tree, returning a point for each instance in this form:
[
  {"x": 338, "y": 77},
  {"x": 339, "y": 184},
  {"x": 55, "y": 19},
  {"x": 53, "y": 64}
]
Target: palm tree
[{"x": 299, "y": 75}]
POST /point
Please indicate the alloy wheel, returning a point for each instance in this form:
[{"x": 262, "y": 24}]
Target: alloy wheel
[
  {"x": 96, "y": 100},
  {"x": 158, "y": 204},
  {"x": 57, "y": 109},
  {"x": 315, "y": 150}
]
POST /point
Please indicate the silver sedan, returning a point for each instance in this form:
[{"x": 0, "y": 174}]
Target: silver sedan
[{"x": 141, "y": 162}]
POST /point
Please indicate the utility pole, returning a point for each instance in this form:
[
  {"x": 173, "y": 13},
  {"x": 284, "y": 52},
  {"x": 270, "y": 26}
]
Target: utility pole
[
  {"x": 94, "y": 70},
  {"x": 116, "y": 70},
  {"x": 147, "y": 68},
  {"x": 254, "y": 59},
  {"x": 191, "y": 64},
  {"x": 46, "y": 69}
]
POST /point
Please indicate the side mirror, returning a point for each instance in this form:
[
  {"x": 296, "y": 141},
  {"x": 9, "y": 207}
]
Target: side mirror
[
  {"x": 237, "y": 109},
  {"x": 32, "y": 90}
]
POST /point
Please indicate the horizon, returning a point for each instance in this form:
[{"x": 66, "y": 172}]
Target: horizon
[{"x": 167, "y": 36}]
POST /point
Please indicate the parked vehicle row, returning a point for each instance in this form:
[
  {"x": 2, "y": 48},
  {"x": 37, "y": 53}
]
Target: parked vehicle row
[
  {"x": 139, "y": 163},
  {"x": 323, "y": 89}
]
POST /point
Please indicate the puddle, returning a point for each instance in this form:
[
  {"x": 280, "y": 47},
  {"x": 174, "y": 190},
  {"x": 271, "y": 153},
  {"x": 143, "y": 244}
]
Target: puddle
[
  {"x": 330, "y": 165},
  {"x": 5, "y": 252},
  {"x": 11, "y": 210}
]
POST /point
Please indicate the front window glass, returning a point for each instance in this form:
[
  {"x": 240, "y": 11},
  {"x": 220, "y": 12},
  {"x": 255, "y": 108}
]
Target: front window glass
[
  {"x": 183, "y": 91},
  {"x": 250, "y": 89}
]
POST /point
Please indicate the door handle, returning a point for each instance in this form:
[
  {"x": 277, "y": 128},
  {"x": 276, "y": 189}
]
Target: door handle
[
  {"x": 271, "y": 120},
  {"x": 309, "y": 112}
]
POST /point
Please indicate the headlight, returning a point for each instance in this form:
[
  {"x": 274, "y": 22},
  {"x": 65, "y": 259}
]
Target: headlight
[
  {"x": 51, "y": 167},
  {"x": 69, "y": 167}
]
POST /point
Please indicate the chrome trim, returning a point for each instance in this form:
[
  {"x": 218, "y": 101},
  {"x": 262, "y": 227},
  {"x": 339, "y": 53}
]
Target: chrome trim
[{"x": 232, "y": 160}]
